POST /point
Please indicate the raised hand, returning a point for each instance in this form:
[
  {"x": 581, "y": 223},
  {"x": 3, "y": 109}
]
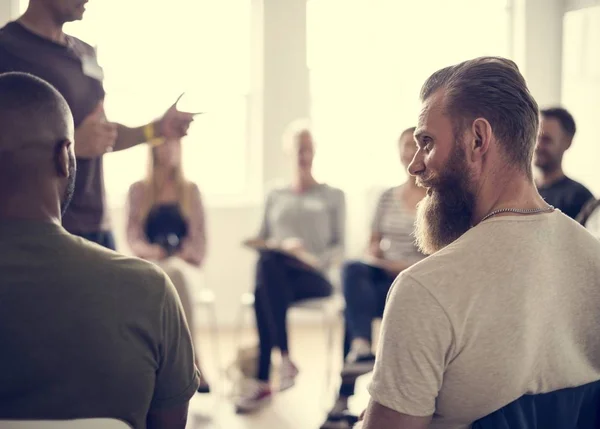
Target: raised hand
[
  {"x": 95, "y": 136},
  {"x": 175, "y": 124}
]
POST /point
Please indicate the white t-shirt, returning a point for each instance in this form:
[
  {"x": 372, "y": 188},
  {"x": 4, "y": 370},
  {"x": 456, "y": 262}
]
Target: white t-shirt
[{"x": 512, "y": 307}]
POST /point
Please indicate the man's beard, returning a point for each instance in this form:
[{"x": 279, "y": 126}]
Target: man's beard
[
  {"x": 70, "y": 189},
  {"x": 446, "y": 214}
]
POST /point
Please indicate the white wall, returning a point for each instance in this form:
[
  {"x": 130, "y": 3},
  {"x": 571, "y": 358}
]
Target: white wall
[
  {"x": 8, "y": 10},
  {"x": 580, "y": 4},
  {"x": 581, "y": 93},
  {"x": 537, "y": 42}
]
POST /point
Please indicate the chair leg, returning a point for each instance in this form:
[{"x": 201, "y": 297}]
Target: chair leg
[
  {"x": 214, "y": 332},
  {"x": 239, "y": 325},
  {"x": 329, "y": 326}
]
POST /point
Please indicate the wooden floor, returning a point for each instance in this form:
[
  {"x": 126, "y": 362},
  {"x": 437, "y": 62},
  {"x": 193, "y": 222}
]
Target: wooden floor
[{"x": 302, "y": 407}]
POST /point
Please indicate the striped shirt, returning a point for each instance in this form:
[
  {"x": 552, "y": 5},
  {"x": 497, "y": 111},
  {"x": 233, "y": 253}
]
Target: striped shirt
[{"x": 395, "y": 224}]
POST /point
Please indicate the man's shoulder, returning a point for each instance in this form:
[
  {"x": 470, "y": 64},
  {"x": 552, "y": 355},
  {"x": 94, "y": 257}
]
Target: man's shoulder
[
  {"x": 7, "y": 31},
  {"x": 81, "y": 46},
  {"x": 97, "y": 260},
  {"x": 335, "y": 193},
  {"x": 576, "y": 186}
]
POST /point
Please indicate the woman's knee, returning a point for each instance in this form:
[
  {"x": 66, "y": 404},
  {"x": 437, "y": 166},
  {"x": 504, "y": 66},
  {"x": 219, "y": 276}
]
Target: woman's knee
[
  {"x": 268, "y": 258},
  {"x": 268, "y": 263},
  {"x": 353, "y": 273},
  {"x": 354, "y": 268}
]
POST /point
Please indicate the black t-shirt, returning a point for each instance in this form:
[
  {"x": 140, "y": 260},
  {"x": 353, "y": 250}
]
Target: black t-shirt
[
  {"x": 72, "y": 69},
  {"x": 166, "y": 226},
  {"x": 566, "y": 195}
]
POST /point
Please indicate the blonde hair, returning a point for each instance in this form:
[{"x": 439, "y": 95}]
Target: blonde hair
[
  {"x": 293, "y": 131},
  {"x": 153, "y": 187}
]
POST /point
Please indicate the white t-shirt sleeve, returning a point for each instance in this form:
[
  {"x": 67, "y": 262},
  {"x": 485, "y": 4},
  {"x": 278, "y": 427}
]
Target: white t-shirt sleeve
[
  {"x": 414, "y": 349},
  {"x": 593, "y": 223}
]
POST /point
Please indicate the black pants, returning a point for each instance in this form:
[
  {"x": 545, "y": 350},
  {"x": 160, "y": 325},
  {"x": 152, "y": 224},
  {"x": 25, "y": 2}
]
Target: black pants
[
  {"x": 103, "y": 238},
  {"x": 365, "y": 291},
  {"x": 280, "y": 281}
]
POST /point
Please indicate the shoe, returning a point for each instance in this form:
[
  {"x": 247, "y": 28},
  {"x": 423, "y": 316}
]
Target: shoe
[
  {"x": 204, "y": 387},
  {"x": 358, "y": 365},
  {"x": 287, "y": 375},
  {"x": 343, "y": 420},
  {"x": 255, "y": 395},
  {"x": 336, "y": 417},
  {"x": 335, "y": 424}
]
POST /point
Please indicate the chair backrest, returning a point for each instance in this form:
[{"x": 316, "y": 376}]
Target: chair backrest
[
  {"x": 65, "y": 424},
  {"x": 572, "y": 408}
]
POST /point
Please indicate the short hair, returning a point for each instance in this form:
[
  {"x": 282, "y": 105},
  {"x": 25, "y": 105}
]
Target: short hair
[
  {"x": 410, "y": 130},
  {"x": 293, "y": 130},
  {"x": 492, "y": 88},
  {"x": 31, "y": 112},
  {"x": 564, "y": 118}
]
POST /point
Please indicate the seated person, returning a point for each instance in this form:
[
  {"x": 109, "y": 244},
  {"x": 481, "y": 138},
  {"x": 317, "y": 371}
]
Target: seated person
[
  {"x": 166, "y": 223},
  {"x": 302, "y": 233},
  {"x": 366, "y": 283},
  {"x": 508, "y": 303},
  {"x": 557, "y": 129},
  {"x": 84, "y": 331}
]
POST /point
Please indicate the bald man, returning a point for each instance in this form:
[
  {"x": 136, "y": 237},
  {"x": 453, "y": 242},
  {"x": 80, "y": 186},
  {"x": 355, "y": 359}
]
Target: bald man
[
  {"x": 84, "y": 331},
  {"x": 37, "y": 44}
]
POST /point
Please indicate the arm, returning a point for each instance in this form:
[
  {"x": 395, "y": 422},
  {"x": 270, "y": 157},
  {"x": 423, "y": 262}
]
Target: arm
[
  {"x": 173, "y": 125},
  {"x": 168, "y": 418},
  {"x": 129, "y": 137},
  {"x": 335, "y": 252},
  {"x": 378, "y": 416},
  {"x": 374, "y": 248},
  {"x": 136, "y": 238},
  {"x": 264, "y": 232},
  {"x": 176, "y": 378},
  {"x": 411, "y": 360},
  {"x": 193, "y": 248}
]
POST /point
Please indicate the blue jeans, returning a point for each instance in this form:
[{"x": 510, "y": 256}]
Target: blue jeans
[
  {"x": 365, "y": 290},
  {"x": 103, "y": 238}
]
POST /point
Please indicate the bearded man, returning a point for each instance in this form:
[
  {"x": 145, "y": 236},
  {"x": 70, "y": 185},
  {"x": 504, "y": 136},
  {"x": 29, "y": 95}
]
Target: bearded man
[{"x": 508, "y": 302}]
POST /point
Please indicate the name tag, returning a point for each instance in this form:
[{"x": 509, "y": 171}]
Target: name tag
[
  {"x": 314, "y": 205},
  {"x": 91, "y": 68}
]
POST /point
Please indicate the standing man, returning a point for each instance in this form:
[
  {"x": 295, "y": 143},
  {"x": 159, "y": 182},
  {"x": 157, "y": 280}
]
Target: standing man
[
  {"x": 557, "y": 129},
  {"x": 36, "y": 44},
  {"x": 508, "y": 302}
]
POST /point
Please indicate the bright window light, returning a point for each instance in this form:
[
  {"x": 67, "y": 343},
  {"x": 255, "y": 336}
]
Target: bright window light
[
  {"x": 154, "y": 50},
  {"x": 580, "y": 92},
  {"x": 367, "y": 66}
]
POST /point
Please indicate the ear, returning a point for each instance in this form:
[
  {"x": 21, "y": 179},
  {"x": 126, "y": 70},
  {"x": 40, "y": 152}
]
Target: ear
[
  {"x": 61, "y": 157},
  {"x": 481, "y": 138}
]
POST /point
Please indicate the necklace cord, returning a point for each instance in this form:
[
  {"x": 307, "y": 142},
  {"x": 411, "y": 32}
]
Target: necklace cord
[{"x": 518, "y": 211}]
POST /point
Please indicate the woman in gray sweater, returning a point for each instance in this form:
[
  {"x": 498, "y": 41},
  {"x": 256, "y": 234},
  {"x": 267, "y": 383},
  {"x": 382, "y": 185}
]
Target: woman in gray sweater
[{"x": 302, "y": 233}]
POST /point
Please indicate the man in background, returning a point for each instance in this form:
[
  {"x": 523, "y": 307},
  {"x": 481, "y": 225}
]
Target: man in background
[
  {"x": 557, "y": 129},
  {"x": 36, "y": 44},
  {"x": 84, "y": 332}
]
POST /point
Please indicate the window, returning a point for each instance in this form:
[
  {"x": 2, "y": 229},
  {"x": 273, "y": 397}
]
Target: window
[
  {"x": 151, "y": 52},
  {"x": 581, "y": 91},
  {"x": 367, "y": 66}
]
